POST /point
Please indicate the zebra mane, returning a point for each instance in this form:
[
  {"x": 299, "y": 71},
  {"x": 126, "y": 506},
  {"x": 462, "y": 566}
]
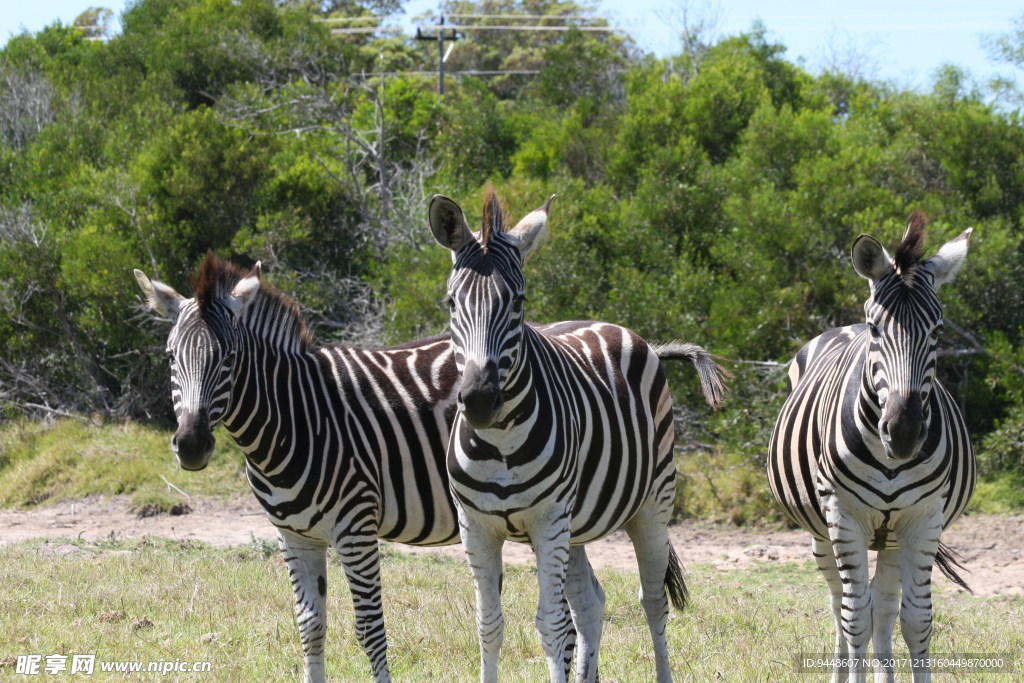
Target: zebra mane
[
  {"x": 216, "y": 278},
  {"x": 494, "y": 217},
  {"x": 911, "y": 249}
]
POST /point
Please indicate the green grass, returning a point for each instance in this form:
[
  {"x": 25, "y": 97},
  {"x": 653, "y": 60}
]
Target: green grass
[
  {"x": 162, "y": 600},
  {"x": 999, "y": 493},
  {"x": 74, "y": 458}
]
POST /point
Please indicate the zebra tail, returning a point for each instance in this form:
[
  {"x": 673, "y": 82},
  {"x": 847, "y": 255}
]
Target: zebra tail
[
  {"x": 712, "y": 375},
  {"x": 675, "y": 581},
  {"x": 948, "y": 561}
]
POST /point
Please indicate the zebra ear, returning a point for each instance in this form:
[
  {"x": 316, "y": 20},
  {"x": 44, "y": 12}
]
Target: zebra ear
[
  {"x": 947, "y": 263},
  {"x": 447, "y": 223},
  {"x": 161, "y": 298},
  {"x": 532, "y": 231},
  {"x": 870, "y": 259},
  {"x": 244, "y": 292}
]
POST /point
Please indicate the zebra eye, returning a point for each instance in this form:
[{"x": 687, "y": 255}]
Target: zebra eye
[
  {"x": 873, "y": 329},
  {"x": 450, "y": 302},
  {"x": 170, "y": 355},
  {"x": 937, "y": 330},
  {"x": 517, "y": 305}
]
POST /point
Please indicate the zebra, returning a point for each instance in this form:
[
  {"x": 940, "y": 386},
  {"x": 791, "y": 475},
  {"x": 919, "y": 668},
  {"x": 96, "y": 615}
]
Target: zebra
[
  {"x": 343, "y": 445},
  {"x": 564, "y": 434},
  {"x": 870, "y": 452}
]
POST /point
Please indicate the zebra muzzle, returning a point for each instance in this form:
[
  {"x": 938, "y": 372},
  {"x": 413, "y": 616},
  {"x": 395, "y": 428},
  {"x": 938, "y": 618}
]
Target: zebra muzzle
[
  {"x": 903, "y": 428},
  {"x": 480, "y": 395},
  {"x": 193, "y": 442}
]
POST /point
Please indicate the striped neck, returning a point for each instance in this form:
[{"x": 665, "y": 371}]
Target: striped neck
[
  {"x": 519, "y": 391},
  {"x": 869, "y": 409},
  {"x": 270, "y": 356}
]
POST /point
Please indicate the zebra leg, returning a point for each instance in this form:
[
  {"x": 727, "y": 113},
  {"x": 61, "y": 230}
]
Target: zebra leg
[
  {"x": 648, "y": 530},
  {"x": 826, "y": 561},
  {"x": 586, "y": 600},
  {"x": 360, "y": 558},
  {"x": 306, "y": 560},
  {"x": 483, "y": 552},
  {"x": 570, "y": 643},
  {"x": 555, "y": 626},
  {"x": 849, "y": 546},
  {"x": 885, "y": 600},
  {"x": 917, "y": 556}
]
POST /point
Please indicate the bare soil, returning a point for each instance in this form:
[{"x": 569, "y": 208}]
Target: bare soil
[{"x": 992, "y": 547}]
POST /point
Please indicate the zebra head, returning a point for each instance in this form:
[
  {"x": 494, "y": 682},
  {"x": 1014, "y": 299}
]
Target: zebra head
[
  {"x": 486, "y": 292},
  {"x": 201, "y": 350},
  {"x": 904, "y": 318}
]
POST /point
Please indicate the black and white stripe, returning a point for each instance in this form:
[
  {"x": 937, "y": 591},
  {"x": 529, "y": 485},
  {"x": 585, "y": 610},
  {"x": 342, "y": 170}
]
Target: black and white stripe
[
  {"x": 870, "y": 451},
  {"x": 564, "y": 435},
  {"x": 343, "y": 445}
]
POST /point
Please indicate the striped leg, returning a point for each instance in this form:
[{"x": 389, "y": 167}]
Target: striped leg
[
  {"x": 826, "y": 561},
  {"x": 551, "y": 546},
  {"x": 850, "y": 549},
  {"x": 483, "y": 552},
  {"x": 360, "y": 558},
  {"x": 307, "y": 568},
  {"x": 885, "y": 600},
  {"x": 570, "y": 643},
  {"x": 916, "y": 560},
  {"x": 648, "y": 531},
  {"x": 586, "y": 600}
]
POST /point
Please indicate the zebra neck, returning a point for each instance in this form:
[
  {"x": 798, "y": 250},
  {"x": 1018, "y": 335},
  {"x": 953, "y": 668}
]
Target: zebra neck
[
  {"x": 265, "y": 382},
  {"x": 868, "y": 410},
  {"x": 519, "y": 393},
  {"x": 275, "y": 324}
]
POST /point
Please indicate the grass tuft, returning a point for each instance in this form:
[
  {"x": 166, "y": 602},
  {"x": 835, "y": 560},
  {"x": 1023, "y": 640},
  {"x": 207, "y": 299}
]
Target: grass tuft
[
  {"x": 999, "y": 493},
  {"x": 75, "y": 458}
]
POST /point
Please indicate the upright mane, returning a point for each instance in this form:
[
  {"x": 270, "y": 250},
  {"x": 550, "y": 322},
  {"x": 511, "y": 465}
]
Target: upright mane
[
  {"x": 494, "y": 217},
  {"x": 911, "y": 249},
  {"x": 214, "y": 279}
]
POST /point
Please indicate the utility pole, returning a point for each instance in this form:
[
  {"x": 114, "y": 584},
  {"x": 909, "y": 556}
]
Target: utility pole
[{"x": 441, "y": 36}]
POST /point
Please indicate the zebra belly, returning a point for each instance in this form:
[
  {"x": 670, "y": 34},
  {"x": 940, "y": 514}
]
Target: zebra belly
[
  {"x": 356, "y": 511},
  {"x": 512, "y": 515}
]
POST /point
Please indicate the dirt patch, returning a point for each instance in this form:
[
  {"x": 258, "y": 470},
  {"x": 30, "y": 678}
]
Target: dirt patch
[{"x": 992, "y": 547}]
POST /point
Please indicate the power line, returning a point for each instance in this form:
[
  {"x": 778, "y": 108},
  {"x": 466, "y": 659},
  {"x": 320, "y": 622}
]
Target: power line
[
  {"x": 440, "y": 36},
  {"x": 451, "y": 32},
  {"x": 605, "y": 27},
  {"x": 520, "y": 27}
]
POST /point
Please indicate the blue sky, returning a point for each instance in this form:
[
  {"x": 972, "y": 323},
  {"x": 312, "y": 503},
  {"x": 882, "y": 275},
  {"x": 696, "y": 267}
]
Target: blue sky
[{"x": 902, "y": 41}]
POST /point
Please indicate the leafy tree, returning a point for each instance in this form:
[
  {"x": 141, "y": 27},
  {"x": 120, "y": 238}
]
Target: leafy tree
[{"x": 711, "y": 195}]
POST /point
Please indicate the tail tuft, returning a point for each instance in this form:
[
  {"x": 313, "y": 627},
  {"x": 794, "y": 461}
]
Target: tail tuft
[
  {"x": 712, "y": 375},
  {"x": 675, "y": 581},
  {"x": 948, "y": 561}
]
